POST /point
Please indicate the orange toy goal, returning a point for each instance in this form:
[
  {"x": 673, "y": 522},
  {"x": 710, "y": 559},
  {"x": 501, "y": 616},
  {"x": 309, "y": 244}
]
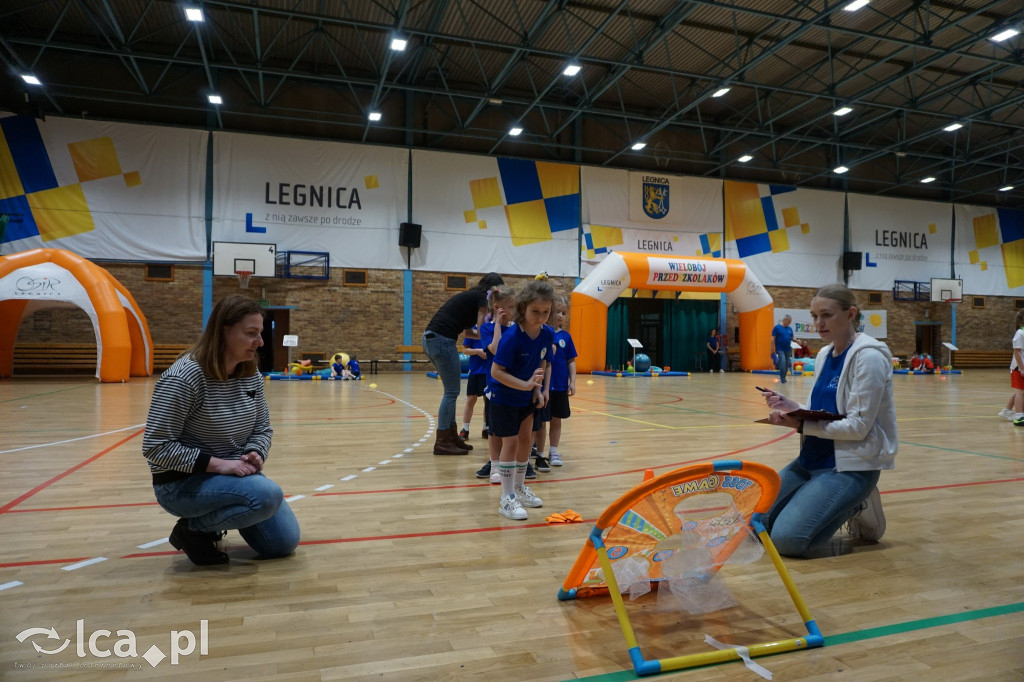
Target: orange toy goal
[{"x": 681, "y": 528}]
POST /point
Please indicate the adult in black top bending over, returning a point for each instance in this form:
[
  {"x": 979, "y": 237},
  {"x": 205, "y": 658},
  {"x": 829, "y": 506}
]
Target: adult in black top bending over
[{"x": 457, "y": 316}]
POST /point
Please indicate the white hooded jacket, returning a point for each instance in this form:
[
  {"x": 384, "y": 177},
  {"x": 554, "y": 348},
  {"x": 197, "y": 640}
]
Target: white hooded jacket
[{"x": 866, "y": 439}]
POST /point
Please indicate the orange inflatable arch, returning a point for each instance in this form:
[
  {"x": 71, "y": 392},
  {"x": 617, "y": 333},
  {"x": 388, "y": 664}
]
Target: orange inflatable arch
[
  {"x": 43, "y": 278},
  {"x": 588, "y": 322}
]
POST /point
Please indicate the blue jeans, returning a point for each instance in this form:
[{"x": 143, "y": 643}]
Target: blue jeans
[
  {"x": 784, "y": 359},
  {"x": 443, "y": 352},
  {"x": 813, "y": 505},
  {"x": 253, "y": 504}
]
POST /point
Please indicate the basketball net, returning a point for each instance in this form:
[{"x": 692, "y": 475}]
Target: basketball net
[{"x": 243, "y": 278}]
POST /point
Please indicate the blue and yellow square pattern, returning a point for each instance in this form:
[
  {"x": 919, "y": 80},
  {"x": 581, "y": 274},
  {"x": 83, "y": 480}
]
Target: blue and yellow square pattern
[
  {"x": 29, "y": 192},
  {"x": 539, "y": 199},
  {"x": 1003, "y": 228},
  {"x": 751, "y": 221}
]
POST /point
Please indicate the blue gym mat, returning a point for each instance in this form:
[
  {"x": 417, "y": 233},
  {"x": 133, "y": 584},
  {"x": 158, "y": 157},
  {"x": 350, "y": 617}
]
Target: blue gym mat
[{"x": 640, "y": 374}]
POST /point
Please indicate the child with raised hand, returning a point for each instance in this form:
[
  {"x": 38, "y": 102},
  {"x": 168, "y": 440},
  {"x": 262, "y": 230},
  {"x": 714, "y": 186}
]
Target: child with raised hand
[
  {"x": 501, "y": 303},
  {"x": 563, "y": 379},
  {"x": 520, "y": 383}
]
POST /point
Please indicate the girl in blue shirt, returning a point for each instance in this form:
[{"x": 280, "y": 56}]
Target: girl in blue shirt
[
  {"x": 502, "y": 301},
  {"x": 519, "y": 383}
]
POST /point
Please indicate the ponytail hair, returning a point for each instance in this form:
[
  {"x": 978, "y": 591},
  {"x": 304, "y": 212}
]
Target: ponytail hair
[{"x": 846, "y": 299}]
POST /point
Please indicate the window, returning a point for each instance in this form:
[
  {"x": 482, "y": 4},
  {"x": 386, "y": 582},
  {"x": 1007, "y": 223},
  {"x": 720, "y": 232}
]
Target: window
[
  {"x": 456, "y": 282},
  {"x": 875, "y": 297},
  {"x": 159, "y": 272},
  {"x": 1018, "y": 303},
  {"x": 353, "y": 278},
  {"x": 977, "y": 301}
]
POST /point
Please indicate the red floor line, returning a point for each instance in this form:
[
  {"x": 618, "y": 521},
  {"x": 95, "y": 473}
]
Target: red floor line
[
  {"x": 42, "y": 486},
  {"x": 952, "y": 485},
  {"x": 441, "y": 533},
  {"x": 91, "y": 506}
]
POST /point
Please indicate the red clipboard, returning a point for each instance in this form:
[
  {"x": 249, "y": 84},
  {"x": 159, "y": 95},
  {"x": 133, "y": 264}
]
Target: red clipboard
[{"x": 808, "y": 415}]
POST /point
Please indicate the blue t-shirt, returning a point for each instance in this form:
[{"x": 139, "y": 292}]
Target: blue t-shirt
[
  {"x": 565, "y": 350},
  {"x": 520, "y": 356},
  {"x": 713, "y": 342},
  {"x": 353, "y": 367},
  {"x": 783, "y": 338},
  {"x": 477, "y": 364},
  {"x": 820, "y": 453}
]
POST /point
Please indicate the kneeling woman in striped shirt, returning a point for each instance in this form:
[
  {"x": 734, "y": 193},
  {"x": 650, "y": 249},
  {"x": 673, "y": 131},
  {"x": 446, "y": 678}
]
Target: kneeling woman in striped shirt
[{"x": 207, "y": 438}]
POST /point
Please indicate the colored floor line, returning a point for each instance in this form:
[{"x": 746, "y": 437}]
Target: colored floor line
[
  {"x": 38, "y": 395},
  {"x": 848, "y": 637},
  {"x": 962, "y": 452},
  {"x": 42, "y": 486}
]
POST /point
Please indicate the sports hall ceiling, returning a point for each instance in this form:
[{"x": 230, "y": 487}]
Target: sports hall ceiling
[{"x": 649, "y": 71}]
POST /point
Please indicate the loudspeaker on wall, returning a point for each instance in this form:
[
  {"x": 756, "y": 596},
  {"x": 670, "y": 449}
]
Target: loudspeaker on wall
[
  {"x": 409, "y": 235},
  {"x": 852, "y": 260}
]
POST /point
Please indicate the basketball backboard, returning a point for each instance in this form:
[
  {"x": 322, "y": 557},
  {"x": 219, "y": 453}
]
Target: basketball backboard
[
  {"x": 231, "y": 257},
  {"x": 947, "y": 290}
]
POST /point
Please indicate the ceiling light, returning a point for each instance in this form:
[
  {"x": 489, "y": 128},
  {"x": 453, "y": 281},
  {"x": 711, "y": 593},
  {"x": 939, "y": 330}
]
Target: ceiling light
[
  {"x": 745, "y": 158},
  {"x": 494, "y": 100},
  {"x": 215, "y": 99},
  {"x": 953, "y": 126},
  {"x": 842, "y": 111},
  {"x": 856, "y": 5},
  {"x": 398, "y": 44},
  {"x": 925, "y": 181},
  {"x": 30, "y": 79},
  {"x": 637, "y": 146},
  {"x": 515, "y": 130},
  {"x": 571, "y": 70},
  {"x": 1004, "y": 35},
  {"x": 840, "y": 169},
  {"x": 719, "y": 92},
  {"x": 1006, "y": 189},
  {"x": 901, "y": 154},
  {"x": 194, "y": 14},
  {"x": 374, "y": 116}
]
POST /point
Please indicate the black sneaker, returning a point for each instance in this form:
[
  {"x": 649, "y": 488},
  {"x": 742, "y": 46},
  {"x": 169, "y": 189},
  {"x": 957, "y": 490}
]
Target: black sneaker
[
  {"x": 530, "y": 473},
  {"x": 533, "y": 451},
  {"x": 484, "y": 434},
  {"x": 200, "y": 548},
  {"x": 543, "y": 465},
  {"x": 464, "y": 434},
  {"x": 485, "y": 470}
]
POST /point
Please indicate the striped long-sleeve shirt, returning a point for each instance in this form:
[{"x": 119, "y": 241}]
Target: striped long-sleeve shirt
[{"x": 193, "y": 418}]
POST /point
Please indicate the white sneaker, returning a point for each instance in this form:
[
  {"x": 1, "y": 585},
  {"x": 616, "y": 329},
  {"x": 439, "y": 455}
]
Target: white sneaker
[
  {"x": 510, "y": 507},
  {"x": 869, "y": 523},
  {"x": 1006, "y": 414},
  {"x": 555, "y": 459},
  {"x": 495, "y": 476},
  {"x": 527, "y": 498}
]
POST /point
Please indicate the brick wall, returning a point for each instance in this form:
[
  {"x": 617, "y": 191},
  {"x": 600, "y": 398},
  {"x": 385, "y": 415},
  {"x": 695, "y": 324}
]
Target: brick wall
[{"x": 367, "y": 321}]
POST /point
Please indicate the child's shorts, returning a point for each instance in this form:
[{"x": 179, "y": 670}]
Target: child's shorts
[
  {"x": 1017, "y": 380},
  {"x": 541, "y": 417},
  {"x": 504, "y": 420},
  {"x": 558, "y": 404},
  {"x": 476, "y": 384}
]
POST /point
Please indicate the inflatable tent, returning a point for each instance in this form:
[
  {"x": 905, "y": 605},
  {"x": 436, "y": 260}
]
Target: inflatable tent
[
  {"x": 44, "y": 278},
  {"x": 588, "y": 321}
]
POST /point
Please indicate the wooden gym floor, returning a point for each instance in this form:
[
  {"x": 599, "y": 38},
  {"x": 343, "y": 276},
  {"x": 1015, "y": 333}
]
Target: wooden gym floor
[{"x": 407, "y": 572}]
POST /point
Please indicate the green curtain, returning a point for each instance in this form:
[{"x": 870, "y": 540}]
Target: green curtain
[
  {"x": 618, "y": 329},
  {"x": 685, "y": 326}
]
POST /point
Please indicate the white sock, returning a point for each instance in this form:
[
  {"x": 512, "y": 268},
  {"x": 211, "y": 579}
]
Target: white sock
[
  {"x": 1019, "y": 415},
  {"x": 507, "y": 471},
  {"x": 520, "y": 477},
  {"x": 552, "y": 451},
  {"x": 540, "y": 453},
  {"x": 465, "y": 426}
]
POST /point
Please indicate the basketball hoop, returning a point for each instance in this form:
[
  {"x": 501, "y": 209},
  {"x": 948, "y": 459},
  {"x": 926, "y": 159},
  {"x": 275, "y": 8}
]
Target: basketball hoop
[{"x": 243, "y": 278}]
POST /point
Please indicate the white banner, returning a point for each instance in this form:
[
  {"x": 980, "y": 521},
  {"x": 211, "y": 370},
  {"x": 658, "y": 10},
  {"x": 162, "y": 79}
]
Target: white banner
[
  {"x": 675, "y": 201},
  {"x": 901, "y": 239},
  {"x": 600, "y": 240},
  {"x": 103, "y": 190},
  {"x": 990, "y": 250},
  {"x": 693, "y": 205},
  {"x": 875, "y": 323},
  {"x": 484, "y": 213},
  {"x": 787, "y": 236},
  {"x": 308, "y": 195}
]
